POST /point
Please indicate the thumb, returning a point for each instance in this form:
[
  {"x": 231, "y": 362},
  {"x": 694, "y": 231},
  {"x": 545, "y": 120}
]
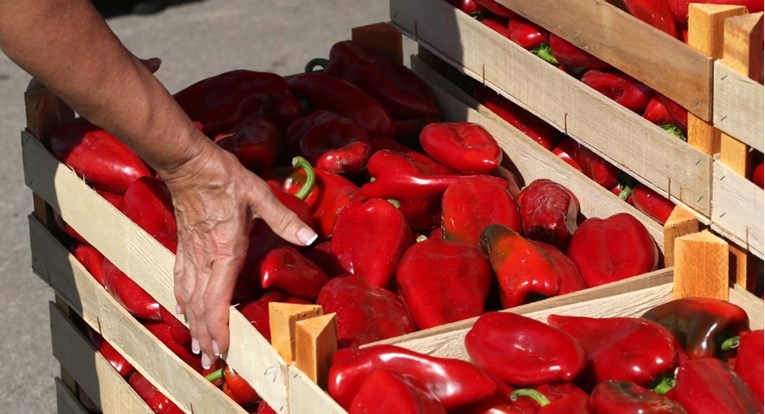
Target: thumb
[{"x": 282, "y": 221}]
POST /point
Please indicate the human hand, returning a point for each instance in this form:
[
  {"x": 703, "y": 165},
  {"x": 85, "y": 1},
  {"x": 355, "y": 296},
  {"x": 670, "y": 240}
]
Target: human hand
[{"x": 216, "y": 201}]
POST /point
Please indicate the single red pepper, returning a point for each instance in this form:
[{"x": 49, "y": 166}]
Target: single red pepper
[
  {"x": 219, "y": 101},
  {"x": 621, "y": 88},
  {"x": 749, "y": 362},
  {"x": 523, "y": 351},
  {"x": 349, "y": 159},
  {"x": 149, "y": 204},
  {"x": 496, "y": 8},
  {"x": 321, "y": 254},
  {"x": 369, "y": 239},
  {"x": 338, "y": 95},
  {"x": 264, "y": 408},
  {"x": 625, "y": 397},
  {"x": 365, "y": 313},
  {"x": 621, "y": 348},
  {"x": 535, "y": 128},
  {"x": 658, "y": 113},
  {"x": 443, "y": 281},
  {"x": 163, "y": 333},
  {"x": 532, "y": 37},
  {"x": 654, "y": 12},
  {"x": 596, "y": 167},
  {"x": 131, "y": 296},
  {"x": 285, "y": 268},
  {"x": 157, "y": 401},
  {"x": 115, "y": 358},
  {"x": 709, "y": 385},
  {"x": 313, "y": 135},
  {"x": 566, "y": 150},
  {"x": 702, "y": 325},
  {"x": 397, "y": 88},
  {"x": 679, "y": 8},
  {"x": 758, "y": 174},
  {"x": 385, "y": 392},
  {"x": 91, "y": 258},
  {"x": 454, "y": 382},
  {"x": 467, "y": 6},
  {"x": 549, "y": 212},
  {"x": 496, "y": 23},
  {"x": 99, "y": 157},
  {"x": 574, "y": 59},
  {"x": 468, "y": 206},
  {"x": 466, "y": 147},
  {"x": 611, "y": 249},
  {"x": 178, "y": 331},
  {"x": 256, "y": 311},
  {"x": 570, "y": 404},
  {"x": 255, "y": 141},
  {"x": 651, "y": 203},
  {"x": 236, "y": 387},
  {"x": 527, "y": 270}
]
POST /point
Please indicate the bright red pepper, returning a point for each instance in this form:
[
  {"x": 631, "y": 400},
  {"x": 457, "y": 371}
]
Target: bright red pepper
[
  {"x": 285, "y": 268},
  {"x": 701, "y": 325},
  {"x": 654, "y": 12},
  {"x": 162, "y": 331},
  {"x": 365, "y": 313},
  {"x": 385, "y": 392},
  {"x": 527, "y": 270},
  {"x": 596, "y": 167},
  {"x": 496, "y": 23},
  {"x": 566, "y": 151},
  {"x": 149, "y": 204},
  {"x": 467, "y": 6},
  {"x": 624, "y": 397},
  {"x": 443, "y": 281},
  {"x": 454, "y": 382},
  {"x": 523, "y": 351},
  {"x": 569, "y": 404},
  {"x": 709, "y": 385},
  {"x": 91, "y": 258},
  {"x": 397, "y": 88},
  {"x": 115, "y": 358},
  {"x": 678, "y": 113},
  {"x": 549, "y": 212},
  {"x": 131, "y": 296},
  {"x": 313, "y": 135},
  {"x": 157, "y": 401},
  {"x": 337, "y": 95},
  {"x": 256, "y": 311},
  {"x": 255, "y": 141},
  {"x": 99, "y": 157},
  {"x": 651, "y": 203},
  {"x": 530, "y": 36},
  {"x": 621, "y": 348},
  {"x": 657, "y": 113},
  {"x": 463, "y": 146},
  {"x": 495, "y": 8},
  {"x": 621, "y": 88},
  {"x": 349, "y": 159},
  {"x": 236, "y": 387},
  {"x": 679, "y": 8},
  {"x": 178, "y": 331},
  {"x": 468, "y": 206},
  {"x": 611, "y": 249},
  {"x": 574, "y": 59},
  {"x": 264, "y": 408},
  {"x": 749, "y": 362}
]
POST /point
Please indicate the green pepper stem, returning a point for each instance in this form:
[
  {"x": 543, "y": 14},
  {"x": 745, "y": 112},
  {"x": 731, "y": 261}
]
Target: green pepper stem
[
  {"x": 313, "y": 63},
  {"x": 310, "y": 177},
  {"x": 421, "y": 238},
  {"x": 537, "y": 396},
  {"x": 628, "y": 184},
  {"x": 545, "y": 52},
  {"x": 674, "y": 130},
  {"x": 394, "y": 202},
  {"x": 731, "y": 343},
  {"x": 215, "y": 375},
  {"x": 665, "y": 385}
]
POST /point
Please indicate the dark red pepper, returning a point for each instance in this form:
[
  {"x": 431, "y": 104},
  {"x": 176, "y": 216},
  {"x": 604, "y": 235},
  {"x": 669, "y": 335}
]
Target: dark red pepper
[
  {"x": 621, "y": 88},
  {"x": 758, "y": 175},
  {"x": 523, "y": 351},
  {"x": 285, "y": 268},
  {"x": 149, "y": 204},
  {"x": 115, "y": 358},
  {"x": 495, "y": 8},
  {"x": 313, "y": 135},
  {"x": 496, "y": 23},
  {"x": 365, "y": 313},
  {"x": 255, "y": 141},
  {"x": 527, "y": 270},
  {"x": 385, "y": 392},
  {"x": 651, "y": 203},
  {"x": 624, "y": 397},
  {"x": 569, "y": 404},
  {"x": 549, "y": 212},
  {"x": 236, "y": 387},
  {"x": 530, "y": 36},
  {"x": 349, "y": 159},
  {"x": 454, "y": 382},
  {"x": 131, "y": 296},
  {"x": 91, "y": 259},
  {"x": 566, "y": 151},
  {"x": 611, "y": 249},
  {"x": 574, "y": 59},
  {"x": 596, "y": 167},
  {"x": 749, "y": 361},
  {"x": 178, "y": 331},
  {"x": 463, "y": 146},
  {"x": 654, "y": 12},
  {"x": 163, "y": 333},
  {"x": 157, "y": 401},
  {"x": 467, "y": 6}
]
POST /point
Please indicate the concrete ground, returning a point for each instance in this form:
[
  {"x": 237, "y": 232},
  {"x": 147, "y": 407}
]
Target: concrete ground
[{"x": 194, "y": 40}]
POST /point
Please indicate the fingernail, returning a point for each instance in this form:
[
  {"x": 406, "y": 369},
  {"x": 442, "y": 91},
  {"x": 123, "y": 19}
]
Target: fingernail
[
  {"x": 178, "y": 310},
  {"x": 307, "y": 236},
  {"x": 195, "y": 346},
  {"x": 205, "y": 361},
  {"x": 215, "y": 349}
]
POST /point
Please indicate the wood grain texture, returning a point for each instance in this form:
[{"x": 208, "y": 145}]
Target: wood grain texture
[
  {"x": 306, "y": 397},
  {"x": 633, "y": 144},
  {"x": 738, "y": 209},
  {"x": 738, "y": 103},
  {"x": 751, "y": 304},
  {"x": 706, "y": 27},
  {"x": 316, "y": 342},
  {"x": 680, "y": 223},
  {"x": 701, "y": 266},
  {"x": 282, "y": 318},
  {"x": 66, "y": 402}
]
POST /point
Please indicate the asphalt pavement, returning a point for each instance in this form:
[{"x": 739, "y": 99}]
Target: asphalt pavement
[{"x": 194, "y": 40}]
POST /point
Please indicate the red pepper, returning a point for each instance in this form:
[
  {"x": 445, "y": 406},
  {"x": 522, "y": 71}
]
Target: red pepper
[
  {"x": 397, "y": 88},
  {"x": 624, "y": 397},
  {"x": 157, "y": 401},
  {"x": 178, "y": 331},
  {"x": 496, "y": 23},
  {"x": 621, "y": 348},
  {"x": 678, "y": 113},
  {"x": 702, "y": 325},
  {"x": 284, "y": 268},
  {"x": 596, "y": 167},
  {"x": 549, "y": 212},
  {"x": 321, "y": 254},
  {"x": 654, "y": 12},
  {"x": 264, "y": 408},
  {"x": 236, "y": 387},
  {"x": 623, "y": 89},
  {"x": 570, "y": 404},
  {"x": 256, "y": 311},
  {"x": 91, "y": 258},
  {"x": 365, "y": 313},
  {"x": 385, "y": 392},
  {"x": 709, "y": 385},
  {"x": 218, "y": 102},
  {"x": 468, "y": 206},
  {"x": 454, "y": 382},
  {"x": 467, "y": 6},
  {"x": 651, "y": 203},
  {"x": 254, "y": 140},
  {"x": 408, "y": 130},
  {"x": 443, "y": 281},
  {"x": 385, "y": 143},
  {"x": 530, "y": 36},
  {"x": 749, "y": 362},
  {"x": 566, "y": 151},
  {"x": 495, "y": 8},
  {"x": 463, "y": 146},
  {"x": 115, "y": 358},
  {"x": 337, "y": 95},
  {"x": 149, "y": 204},
  {"x": 97, "y": 156},
  {"x": 349, "y": 159},
  {"x": 679, "y": 8},
  {"x": 527, "y": 270},
  {"x": 523, "y": 351},
  {"x": 535, "y": 128},
  {"x": 313, "y": 135},
  {"x": 657, "y": 113},
  {"x": 611, "y": 249},
  {"x": 572, "y": 58},
  {"x": 369, "y": 239},
  {"x": 162, "y": 331},
  {"x": 131, "y": 296},
  {"x": 758, "y": 175}
]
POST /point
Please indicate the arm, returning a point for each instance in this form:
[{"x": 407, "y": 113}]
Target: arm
[{"x": 66, "y": 45}]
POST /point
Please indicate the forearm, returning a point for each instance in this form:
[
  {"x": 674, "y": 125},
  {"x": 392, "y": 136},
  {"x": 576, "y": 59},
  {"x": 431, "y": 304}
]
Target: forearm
[{"x": 67, "y": 46}]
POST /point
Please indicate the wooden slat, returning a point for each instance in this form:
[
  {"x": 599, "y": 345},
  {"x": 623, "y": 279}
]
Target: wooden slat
[
  {"x": 315, "y": 343},
  {"x": 633, "y": 144},
  {"x": 751, "y": 304},
  {"x": 94, "y": 374},
  {"x": 738, "y": 209},
  {"x": 739, "y": 106},
  {"x": 680, "y": 223},
  {"x": 306, "y": 397},
  {"x": 701, "y": 266},
  {"x": 282, "y": 318},
  {"x": 66, "y": 402}
]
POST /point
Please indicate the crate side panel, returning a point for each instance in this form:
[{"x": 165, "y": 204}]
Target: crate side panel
[
  {"x": 753, "y": 305},
  {"x": 66, "y": 402},
  {"x": 307, "y": 397},
  {"x": 738, "y": 106},
  {"x": 737, "y": 209}
]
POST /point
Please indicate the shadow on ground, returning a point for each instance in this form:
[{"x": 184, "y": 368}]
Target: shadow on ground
[{"x": 115, "y": 8}]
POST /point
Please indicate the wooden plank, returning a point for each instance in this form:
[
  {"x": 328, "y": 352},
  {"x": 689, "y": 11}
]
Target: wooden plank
[
  {"x": 701, "y": 266},
  {"x": 742, "y": 267},
  {"x": 679, "y": 223},
  {"x": 633, "y": 144},
  {"x": 738, "y": 209},
  {"x": 306, "y": 397},
  {"x": 179, "y": 382},
  {"x": 316, "y": 342},
  {"x": 751, "y": 304},
  {"x": 643, "y": 52},
  {"x": 738, "y": 104},
  {"x": 94, "y": 374},
  {"x": 528, "y": 157},
  {"x": 66, "y": 402}
]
